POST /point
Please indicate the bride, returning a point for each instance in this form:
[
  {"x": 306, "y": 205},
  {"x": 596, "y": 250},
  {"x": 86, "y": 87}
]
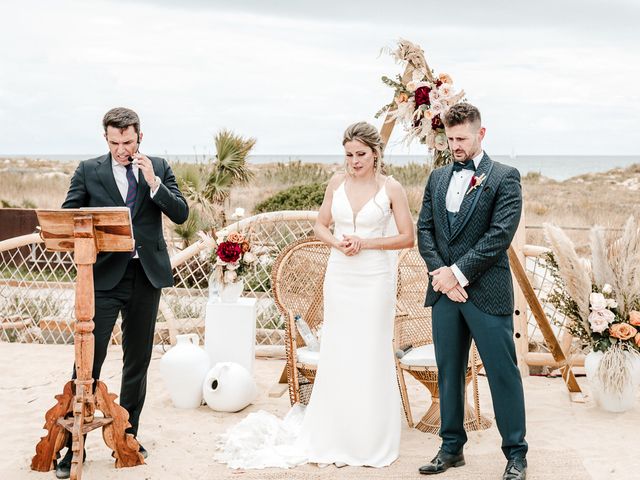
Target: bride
[{"x": 354, "y": 413}]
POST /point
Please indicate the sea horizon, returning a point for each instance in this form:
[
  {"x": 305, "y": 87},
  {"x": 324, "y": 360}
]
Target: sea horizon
[{"x": 556, "y": 167}]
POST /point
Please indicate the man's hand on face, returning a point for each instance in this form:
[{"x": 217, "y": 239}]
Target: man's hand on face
[{"x": 146, "y": 167}]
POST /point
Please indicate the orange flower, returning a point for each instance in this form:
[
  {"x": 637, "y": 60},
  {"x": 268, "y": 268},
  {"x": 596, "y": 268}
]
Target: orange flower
[
  {"x": 634, "y": 318},
  {"x": 623, "y": 331},
  {"x": 235, "y": 237},
  {"x": 245, "y": 246},
  {"x": 403, "y": 97},
  {"x": 445, "y": 78},
  {"x": 637, "y": 339}
]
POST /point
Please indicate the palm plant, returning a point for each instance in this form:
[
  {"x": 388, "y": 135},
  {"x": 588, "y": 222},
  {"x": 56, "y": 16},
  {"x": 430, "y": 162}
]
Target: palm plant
[{"x": 209, "y": 189}]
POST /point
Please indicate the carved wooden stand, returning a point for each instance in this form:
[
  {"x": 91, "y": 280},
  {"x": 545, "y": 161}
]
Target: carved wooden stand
[{"x": 86, "y": 232}]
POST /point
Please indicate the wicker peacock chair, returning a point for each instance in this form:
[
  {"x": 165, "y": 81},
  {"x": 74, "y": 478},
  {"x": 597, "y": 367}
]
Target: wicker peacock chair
[
  {"x": 413, "y": 329},
  {"x": 297, "y": 280}
]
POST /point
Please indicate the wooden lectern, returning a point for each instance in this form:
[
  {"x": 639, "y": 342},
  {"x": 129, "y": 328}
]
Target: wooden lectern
[{"x": 86, "y": 232}]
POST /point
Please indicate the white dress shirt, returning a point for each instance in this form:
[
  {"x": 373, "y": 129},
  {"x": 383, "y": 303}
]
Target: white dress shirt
[
  {"x": 120, "y": 176},
  {"x": 458, "y": 187}
]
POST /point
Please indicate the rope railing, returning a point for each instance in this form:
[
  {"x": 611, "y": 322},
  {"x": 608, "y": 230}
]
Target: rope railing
[{"x": 37, "y": 287}]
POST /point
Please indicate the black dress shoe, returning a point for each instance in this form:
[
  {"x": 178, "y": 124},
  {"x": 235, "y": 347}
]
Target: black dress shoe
[
  {"x": 441, "y": 462},
  {"x": 63, "y": 467},
  {"x": 143, "y": 451},
  {"x": 516, "y": 469}
]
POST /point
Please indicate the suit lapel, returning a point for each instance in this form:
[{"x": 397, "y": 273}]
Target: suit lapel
[
  {"x": 143, "y": 191},
  {"x": 441, "y": 198},
  {"x": 105, "y": 174},
  {"x": 470, "y": 200}
]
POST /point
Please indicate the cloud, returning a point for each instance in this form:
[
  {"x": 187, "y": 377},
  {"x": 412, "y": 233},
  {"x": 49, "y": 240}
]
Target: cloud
[{"x": 294, "y": 74}]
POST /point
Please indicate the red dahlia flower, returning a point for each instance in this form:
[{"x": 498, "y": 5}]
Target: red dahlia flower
[
  {"x": 229, "y": 251},
  {"x": 422, "y": 96}
]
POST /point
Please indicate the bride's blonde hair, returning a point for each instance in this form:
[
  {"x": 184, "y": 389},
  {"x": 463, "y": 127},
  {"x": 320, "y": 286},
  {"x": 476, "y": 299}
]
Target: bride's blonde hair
[{"x": 367, "y": 134}]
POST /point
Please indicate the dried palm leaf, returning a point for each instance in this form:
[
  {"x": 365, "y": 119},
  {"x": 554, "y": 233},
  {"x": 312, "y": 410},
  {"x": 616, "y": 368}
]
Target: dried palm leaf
[{"x": 614, "y": 370}]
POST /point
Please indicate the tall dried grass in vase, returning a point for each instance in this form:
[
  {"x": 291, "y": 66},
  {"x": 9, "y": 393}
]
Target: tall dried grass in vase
[{"x": 601, "y": 298}]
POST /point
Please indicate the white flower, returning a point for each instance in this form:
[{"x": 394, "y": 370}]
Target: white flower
[
  {"x": 434, "y": 96},
  {"x": 445, "y": 90},
  {"x": 405, "y": 111},
  {"x": 437, "y": 107},
  {"x": 600, "y": 320},
  {"x": 441, "y": 143},
  {"x": 607, "y": 289},
  {"x": 265, "y": 260},
  {"x": 238, "y": 213},
  {"x": 611, "y": 303},
  {"x": 411, "y": 85},
  {"x": 597, "y": 301},
  {"x": 249, "y": 257},
  {"x": 230, "y": 276}
]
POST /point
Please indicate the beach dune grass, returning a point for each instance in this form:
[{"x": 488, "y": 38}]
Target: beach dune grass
[{"x": 605, "y": 199}]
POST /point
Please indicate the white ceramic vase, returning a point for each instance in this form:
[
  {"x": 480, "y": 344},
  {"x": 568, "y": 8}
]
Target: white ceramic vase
[
  {"x": 228, "y": 387},
  {"x": 612, "y": 401},
  {"x": 230, "y": 292},
  {"x": 183, "y": 369}
]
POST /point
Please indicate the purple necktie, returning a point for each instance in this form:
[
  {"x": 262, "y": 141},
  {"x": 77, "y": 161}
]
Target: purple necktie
[{"x": 132, "y": 190}]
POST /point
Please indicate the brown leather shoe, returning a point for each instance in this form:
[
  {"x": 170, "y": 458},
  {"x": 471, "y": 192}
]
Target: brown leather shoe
[
  {"x": 516, "y": 469},
  {"x": 442, "y": 462}
]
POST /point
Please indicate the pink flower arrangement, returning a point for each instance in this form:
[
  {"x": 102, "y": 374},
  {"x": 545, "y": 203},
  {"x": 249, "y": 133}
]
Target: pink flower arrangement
[
  {"x": 421, "y": 99},
  {"x": 232, "y": 258}
]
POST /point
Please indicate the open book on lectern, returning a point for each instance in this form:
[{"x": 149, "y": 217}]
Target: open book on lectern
[{"x": 112, "y": 228}]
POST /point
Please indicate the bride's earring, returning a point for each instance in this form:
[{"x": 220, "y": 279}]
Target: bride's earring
[{"x": 375, "y": 163}]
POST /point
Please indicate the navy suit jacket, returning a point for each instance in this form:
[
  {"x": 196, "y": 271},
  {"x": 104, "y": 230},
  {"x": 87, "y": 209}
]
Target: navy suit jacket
[
  {"x": 478, "y": 239},
  {"x": 93, "y": 185}
]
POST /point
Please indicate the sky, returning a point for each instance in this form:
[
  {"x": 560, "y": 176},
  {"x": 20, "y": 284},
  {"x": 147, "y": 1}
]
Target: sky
[{"x": 550, "y": 77}]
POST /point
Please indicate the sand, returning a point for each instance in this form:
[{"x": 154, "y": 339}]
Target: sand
[{"x": 567, "y": 440}]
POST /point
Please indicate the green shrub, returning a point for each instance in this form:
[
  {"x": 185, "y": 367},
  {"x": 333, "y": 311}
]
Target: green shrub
[
  {"x": 295, "y": 173},
  {"x": 300, "y": 197},
  {"x": 410, "y": 175}
]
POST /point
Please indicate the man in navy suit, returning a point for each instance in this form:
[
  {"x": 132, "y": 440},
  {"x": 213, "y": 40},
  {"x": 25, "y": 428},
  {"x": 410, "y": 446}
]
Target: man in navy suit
[
  {"x": 470, "y": 213},
  {"x": 128, "y": 283}
]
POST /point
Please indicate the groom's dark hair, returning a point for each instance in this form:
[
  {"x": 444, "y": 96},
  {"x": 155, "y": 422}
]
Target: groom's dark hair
[{"x": 462, "y": 113}]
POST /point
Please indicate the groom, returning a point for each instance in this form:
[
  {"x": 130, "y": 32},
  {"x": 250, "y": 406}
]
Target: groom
[{"x": 470, "y": 213}]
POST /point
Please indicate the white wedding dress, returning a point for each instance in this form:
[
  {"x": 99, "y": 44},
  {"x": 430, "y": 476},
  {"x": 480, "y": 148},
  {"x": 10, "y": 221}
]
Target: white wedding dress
[{"x": 354, "y": 413}]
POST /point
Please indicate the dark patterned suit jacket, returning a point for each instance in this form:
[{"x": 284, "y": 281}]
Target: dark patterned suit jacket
[
  {"x": 93, "y": 185},
  {"x": 478, "y": 239}
]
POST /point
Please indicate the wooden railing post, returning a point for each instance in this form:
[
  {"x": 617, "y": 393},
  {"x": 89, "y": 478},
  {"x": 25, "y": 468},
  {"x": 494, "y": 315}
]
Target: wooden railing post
[{"x": 520, "y": 327}]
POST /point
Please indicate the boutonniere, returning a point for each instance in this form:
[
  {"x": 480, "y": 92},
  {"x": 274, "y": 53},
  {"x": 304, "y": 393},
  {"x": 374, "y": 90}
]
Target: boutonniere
[{"x": 476, "y": 181}]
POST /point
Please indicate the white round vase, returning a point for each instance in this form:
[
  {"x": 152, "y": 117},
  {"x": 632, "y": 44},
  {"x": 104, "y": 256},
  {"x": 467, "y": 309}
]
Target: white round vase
[
  {"x": 228, "y": 387},
  {"x": 607, "y": 400},
  {"x": 183, "y": 369}
]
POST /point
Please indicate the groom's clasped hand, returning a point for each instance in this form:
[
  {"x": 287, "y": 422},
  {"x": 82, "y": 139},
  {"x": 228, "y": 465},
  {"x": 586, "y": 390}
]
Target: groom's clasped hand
[{"x": 443, "y": 280}]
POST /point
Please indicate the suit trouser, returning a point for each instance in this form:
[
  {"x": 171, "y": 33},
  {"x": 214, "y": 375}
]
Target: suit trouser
[
  {"x": 454, "y": 325},
  {"x": 138, "y": 301}
]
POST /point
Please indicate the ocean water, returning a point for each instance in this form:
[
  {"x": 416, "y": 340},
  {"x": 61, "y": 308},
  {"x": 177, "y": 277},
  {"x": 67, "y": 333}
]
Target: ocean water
[{"x": 557, "y": 167}]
